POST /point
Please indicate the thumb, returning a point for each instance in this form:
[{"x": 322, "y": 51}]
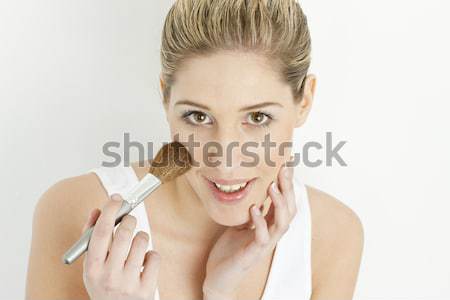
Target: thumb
[{"x": 92, "y": 219}]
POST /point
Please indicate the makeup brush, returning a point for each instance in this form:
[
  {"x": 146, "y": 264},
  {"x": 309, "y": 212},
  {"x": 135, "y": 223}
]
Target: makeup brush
[{"x": 171, "y": 161}]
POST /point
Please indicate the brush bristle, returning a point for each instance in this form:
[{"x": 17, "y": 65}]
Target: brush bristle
[{"x": 171, "y": 161}]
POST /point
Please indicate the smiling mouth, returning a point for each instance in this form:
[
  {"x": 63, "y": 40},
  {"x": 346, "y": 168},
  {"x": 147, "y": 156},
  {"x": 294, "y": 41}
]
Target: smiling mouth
[
  {"x": 229, "y": 191},
  {"x": 230, "y": 188}
]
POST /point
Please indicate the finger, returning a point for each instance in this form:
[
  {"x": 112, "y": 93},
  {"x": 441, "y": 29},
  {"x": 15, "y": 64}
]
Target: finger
[
  {"x": 92, "y": 218},
  {"x": 135, "y": 260},
  {"x": 262, "y": 236},
  {"x": 101, "y": 235},
  {"x": 281, "y": 220},
  {"x": 257, "y": 247},
  {"x": 285, "y": 177},
  {"x": 270, "y": 216},
  {"x": 266, "y": 205},
  {"x": 149, "y": 276},
  {"x": 121, "y": 243}
]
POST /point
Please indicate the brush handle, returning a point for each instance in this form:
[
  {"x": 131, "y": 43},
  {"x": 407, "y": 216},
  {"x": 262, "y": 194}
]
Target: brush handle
[
  {"x": 82, "y": 244},
  {"x": 135, "y": 196}
]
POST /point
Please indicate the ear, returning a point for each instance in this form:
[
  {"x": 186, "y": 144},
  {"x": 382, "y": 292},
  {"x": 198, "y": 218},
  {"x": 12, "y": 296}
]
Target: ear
[{"x": 308, "y": 96}]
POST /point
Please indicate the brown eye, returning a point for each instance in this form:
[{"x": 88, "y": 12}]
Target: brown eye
[
  {"x": 199, "y": 117},
  {"x": 259, "y": 118},
  {"x": 196, "y": 118}
]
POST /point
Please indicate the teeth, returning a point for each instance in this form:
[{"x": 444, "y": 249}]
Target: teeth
[{"x": 230, "y": 188}]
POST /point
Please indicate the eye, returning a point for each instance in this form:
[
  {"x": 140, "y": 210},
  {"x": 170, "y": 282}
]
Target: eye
[
  {"x": 194, "y": 117},
  {"x": 259, "y": 118}
]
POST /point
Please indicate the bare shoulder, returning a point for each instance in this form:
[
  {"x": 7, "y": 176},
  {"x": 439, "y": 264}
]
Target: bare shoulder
[
  {"x": 337, "y": 245},
  {"x": 71, "y": 197},
  {"x": 58, "y": 218},
  {"x": 331, "y": 216}
]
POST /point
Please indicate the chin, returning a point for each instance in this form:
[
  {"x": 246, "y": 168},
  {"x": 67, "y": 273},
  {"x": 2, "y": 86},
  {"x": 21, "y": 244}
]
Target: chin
[
  {"x": 235, "y": 214},
  {"x": 235, "y": 219}
]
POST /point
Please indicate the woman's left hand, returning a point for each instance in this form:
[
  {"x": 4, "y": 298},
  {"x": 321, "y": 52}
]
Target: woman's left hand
[{"x": 240, "y": 248}]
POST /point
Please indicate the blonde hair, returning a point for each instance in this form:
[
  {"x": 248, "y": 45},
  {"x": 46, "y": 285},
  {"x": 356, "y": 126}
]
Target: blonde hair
[{"x": 277, "y": 29}]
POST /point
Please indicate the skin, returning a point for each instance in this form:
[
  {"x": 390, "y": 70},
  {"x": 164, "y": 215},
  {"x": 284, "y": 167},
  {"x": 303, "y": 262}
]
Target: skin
[{"x": 205, "y": 249}]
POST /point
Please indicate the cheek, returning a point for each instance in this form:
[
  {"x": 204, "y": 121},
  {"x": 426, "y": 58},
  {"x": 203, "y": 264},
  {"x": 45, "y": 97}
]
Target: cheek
[
  {"x": 274, "y": 152},
  {"x": 193, "y": 181}
]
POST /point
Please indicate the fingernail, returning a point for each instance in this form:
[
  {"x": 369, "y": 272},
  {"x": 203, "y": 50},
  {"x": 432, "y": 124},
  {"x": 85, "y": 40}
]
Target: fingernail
[
  {"x": 116, "y": 197},
  {"x": 256, "y": 210},
  {"x": 275, "y": 188}
]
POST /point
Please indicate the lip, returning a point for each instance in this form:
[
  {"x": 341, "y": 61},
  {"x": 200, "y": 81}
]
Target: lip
[{"x": 229, "y": 198}]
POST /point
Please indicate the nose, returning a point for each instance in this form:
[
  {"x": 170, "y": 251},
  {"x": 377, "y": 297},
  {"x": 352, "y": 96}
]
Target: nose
[{"x": 228, "y": 157}]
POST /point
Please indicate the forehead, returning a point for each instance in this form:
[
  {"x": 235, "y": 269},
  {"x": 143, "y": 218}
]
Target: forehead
[{"x": 229, "y": 78}]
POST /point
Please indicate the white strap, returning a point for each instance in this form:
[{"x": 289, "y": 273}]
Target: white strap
[
  {"x": 117, "y": 179},
  {"x": 120, "y": 180},
  {"x": 290, "y": 274}
]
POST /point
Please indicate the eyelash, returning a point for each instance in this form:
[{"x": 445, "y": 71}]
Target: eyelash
[
  {"x": 267, "y": 115},
  {"x": 187, "y": 113}
]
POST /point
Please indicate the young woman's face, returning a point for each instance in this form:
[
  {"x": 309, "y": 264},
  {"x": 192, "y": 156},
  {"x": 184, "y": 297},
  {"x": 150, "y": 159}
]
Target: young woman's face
[{"x": 235, "y": 103}]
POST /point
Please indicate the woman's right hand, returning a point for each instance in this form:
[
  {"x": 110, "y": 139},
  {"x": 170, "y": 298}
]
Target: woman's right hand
[{"x": 110, "y": 270}]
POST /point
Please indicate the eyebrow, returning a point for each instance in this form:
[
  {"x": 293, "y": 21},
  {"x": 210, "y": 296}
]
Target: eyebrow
[{"x": 256, "y": 106}]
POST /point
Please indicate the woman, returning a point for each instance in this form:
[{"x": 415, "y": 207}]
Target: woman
[{"x": 232, "y": 71}]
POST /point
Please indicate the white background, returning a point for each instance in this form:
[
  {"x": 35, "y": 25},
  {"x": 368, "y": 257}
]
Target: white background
[{"x": 76, "y": 74}]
